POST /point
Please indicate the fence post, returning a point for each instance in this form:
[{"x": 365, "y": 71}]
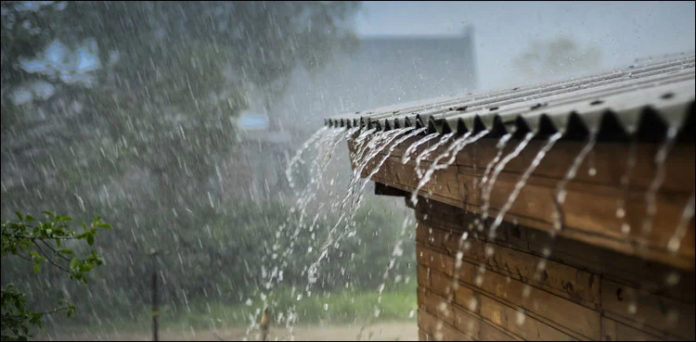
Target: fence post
[{"x": 155, "y": 306}]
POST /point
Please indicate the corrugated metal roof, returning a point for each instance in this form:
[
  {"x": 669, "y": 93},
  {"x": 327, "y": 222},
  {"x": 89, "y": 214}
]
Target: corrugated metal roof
[{"x": 639, "y": 101}]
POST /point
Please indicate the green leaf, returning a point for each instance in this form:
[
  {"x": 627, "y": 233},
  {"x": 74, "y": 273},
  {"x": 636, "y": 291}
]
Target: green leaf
[
  {"x": 67, "y": 251},
  {"x": 74, "y": 263}
]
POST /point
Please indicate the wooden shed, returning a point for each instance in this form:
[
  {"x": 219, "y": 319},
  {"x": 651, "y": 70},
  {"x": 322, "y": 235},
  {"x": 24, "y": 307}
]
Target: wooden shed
[{"x": 553, "y": 212}]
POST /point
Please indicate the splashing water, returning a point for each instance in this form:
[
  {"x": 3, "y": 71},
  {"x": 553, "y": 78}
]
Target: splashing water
[
  {"x": 350, "y": 202},
  {"x": 298, "y": 155},
  {"x": 324, "y": 142},
  {"x": 397, "y": 251}
]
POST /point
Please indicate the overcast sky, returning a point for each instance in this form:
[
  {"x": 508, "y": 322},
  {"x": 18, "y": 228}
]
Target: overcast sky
[{"x": 622, "y": 30}]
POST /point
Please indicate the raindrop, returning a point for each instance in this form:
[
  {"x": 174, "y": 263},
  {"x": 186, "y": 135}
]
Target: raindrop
[{"x": 520, "y": 317}]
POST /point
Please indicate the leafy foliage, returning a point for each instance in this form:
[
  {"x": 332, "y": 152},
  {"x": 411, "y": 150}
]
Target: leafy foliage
[{"x": 43, "y": 242}]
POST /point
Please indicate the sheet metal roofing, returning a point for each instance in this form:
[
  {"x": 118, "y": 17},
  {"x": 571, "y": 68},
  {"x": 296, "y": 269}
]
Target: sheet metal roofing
[{"x": 640, "y": 101}]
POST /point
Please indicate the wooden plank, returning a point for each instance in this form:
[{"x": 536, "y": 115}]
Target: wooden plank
[
  {"x": 438, "y": 306},
  {"x": 438, "y": 330},
  {"x": 640, "y": 308},
  {"x": 490, "y": 332},
  {"x": 560, "y": 279},
  {"x": 637, "y": 272},
  {"x": 617, "y": 331},
  {"x": 585, "y": 322},
  {"x": 516, "y": 321},
  {"x": 590, "y": 208},
  {"x": 608, "y": 169},
  {"x": 423, "y": 274},
  {"x": 432, "y": 259},
  {"x": 467, "y": 324}
]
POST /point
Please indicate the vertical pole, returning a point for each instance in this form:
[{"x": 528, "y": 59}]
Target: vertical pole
[
  {"x": 265, "y": 322},
  {"x": 155, "y": 309}
]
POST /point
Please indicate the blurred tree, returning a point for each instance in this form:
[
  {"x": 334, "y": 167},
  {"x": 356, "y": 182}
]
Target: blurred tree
[
  {"x": 129, "y": 108},
  {"x": 556, "y": 58}
]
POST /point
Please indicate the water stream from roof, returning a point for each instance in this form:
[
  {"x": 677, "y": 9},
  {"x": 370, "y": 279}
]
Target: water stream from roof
[
  {"x": 522, "y": 182},
  {"x": 323, "y": 143},
  {"x": 625, "y": 182},
  {"x": 500, "y": 146},
  {"x": 486, "y": 196},
  {"x": 452, "y": 151},
  {"x": 352, "y": 200},
  {"x": 426, "y": 152},
  {"x": 651, "y": 193},
  {"x": 687, "y": 215},
  {"x": 561, "y": 192},
  {"x": 298, "y": 155},
  {"x": 371, "y": 148},
  {"x": 557, "y": 216},
  {"x": 411, "y": 149}
]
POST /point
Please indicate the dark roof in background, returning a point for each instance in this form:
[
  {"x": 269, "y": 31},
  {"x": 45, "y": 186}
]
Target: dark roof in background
[
  {"x": 640, "y": 101},
  {"x": 378, "y": 72}
]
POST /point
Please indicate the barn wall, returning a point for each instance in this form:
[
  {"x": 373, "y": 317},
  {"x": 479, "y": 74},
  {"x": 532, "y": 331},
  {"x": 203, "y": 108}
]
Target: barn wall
[{"x": 583, "y": 292}]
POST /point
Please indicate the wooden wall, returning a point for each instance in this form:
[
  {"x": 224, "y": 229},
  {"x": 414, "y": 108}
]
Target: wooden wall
[
  {"x": 598, "y": 282},
  {"x": 584, "y": 292},
  {"x": 590, "y": 208}
]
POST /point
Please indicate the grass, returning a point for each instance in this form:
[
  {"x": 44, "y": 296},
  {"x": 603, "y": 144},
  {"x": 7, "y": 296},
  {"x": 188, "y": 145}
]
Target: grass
[
  {"x": 342, "y": 307},
  {"x": 336, "y": 307}
]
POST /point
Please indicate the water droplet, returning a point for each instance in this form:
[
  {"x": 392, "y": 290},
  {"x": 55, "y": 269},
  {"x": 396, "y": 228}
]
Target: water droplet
[
  {"x": 526, "y": 291},
  {"x": 620, "y": 212},
  {"x": 625, "y": 228},
  {"x": 673, "y": 245},
  {"x": 546, "y": 252},
  {"x": 541, "y": 265},
  {"x": 592, "y": 172},
  {"x": 672, "y": 316},
  {"x": 632, "y": 308},
  {"x": 520, "y": 317},
  {"x": 473, "y": 303},
  {"x": 478, "y": 280},
  {"x": 672, "y": 279},
  {"x": 411, "y": 314},
  {"x": 326, "y": 307},
  {"x": 248, "y": 302}
]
